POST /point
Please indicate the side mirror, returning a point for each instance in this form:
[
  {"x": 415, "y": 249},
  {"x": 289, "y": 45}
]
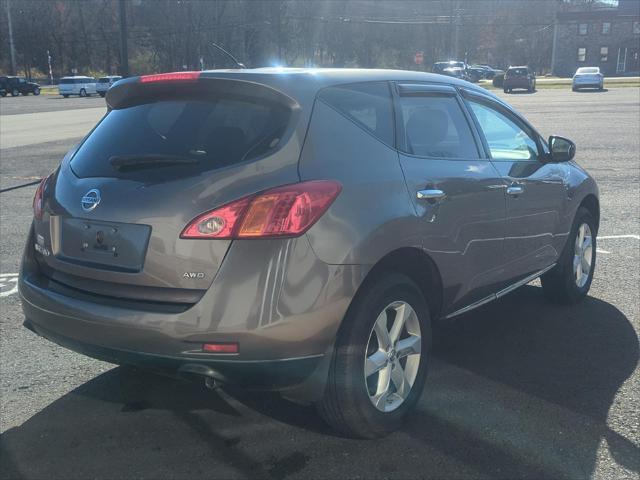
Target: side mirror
[{"x": 562, "y": 149}]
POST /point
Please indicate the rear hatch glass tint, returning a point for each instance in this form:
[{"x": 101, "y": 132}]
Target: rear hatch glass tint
[
  {"x": 175, "y": 138},
  {"x": 517, "y": 72}
]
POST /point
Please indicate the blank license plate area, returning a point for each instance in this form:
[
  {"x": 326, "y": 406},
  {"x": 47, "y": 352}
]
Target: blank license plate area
[{"x": 113, "y": 246}]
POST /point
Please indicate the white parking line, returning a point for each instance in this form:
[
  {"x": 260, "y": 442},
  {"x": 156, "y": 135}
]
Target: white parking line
[
  {"x": 8, "y": 284},
  {"x": 608, "y": 237}
]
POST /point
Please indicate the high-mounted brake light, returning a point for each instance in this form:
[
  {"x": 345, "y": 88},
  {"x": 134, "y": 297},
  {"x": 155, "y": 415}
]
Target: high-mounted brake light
[
  {"x": 37, "y": 198},
  {"x": 286, "y": 211},
  {"x": 170, "y": 77}
]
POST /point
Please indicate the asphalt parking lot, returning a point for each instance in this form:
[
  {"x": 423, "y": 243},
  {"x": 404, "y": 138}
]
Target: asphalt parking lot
[{"x": 517, "y": 389}]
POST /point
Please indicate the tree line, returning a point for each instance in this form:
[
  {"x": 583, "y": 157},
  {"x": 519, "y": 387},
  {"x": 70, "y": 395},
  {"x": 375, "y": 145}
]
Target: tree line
[{"x": 84, "y": 36}]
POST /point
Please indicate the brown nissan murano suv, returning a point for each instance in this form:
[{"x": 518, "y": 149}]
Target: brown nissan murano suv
[{"x": 300, "y": 230}]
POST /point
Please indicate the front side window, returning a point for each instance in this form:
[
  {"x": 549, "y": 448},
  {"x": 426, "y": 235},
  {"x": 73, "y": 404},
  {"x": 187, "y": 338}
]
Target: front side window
[
  {"x": 582, "y": 54},
  {"x": 435, "y": 127},
  {"x": 636, "y": 27},
  {"x": 604, "y": 54},
  {"x": 366, "y": 104},
  {"x": 606, "y": 28},
  {"x": 507, "y": 140},
  {"x": 583, "y": 29}
]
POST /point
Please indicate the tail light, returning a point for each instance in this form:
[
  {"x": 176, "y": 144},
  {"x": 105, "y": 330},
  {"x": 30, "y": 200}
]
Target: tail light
[
  {"x": 37, "y": 198},
  {"x": 286, "y": 211},
  {"x": 170, "y": 77}
]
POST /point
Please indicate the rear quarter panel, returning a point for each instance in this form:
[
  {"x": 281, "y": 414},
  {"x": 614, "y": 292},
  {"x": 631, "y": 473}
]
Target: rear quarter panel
[{"x": 372, "y": 215}]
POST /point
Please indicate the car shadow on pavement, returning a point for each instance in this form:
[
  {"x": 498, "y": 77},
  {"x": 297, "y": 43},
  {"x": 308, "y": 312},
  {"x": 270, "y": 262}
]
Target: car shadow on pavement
[
  {"x": 591, "y": 90},
  {"x": 520, "y": 388}
]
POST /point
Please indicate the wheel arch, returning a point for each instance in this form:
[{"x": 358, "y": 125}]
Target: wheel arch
[
  {"x": 591, "y": 203},
  {"x": 419, "y": 267}
]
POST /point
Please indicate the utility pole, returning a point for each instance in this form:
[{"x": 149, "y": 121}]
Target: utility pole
[
  {"x": 12, "y": 49},
  {"x": 553, "y": 46},
  {"x": 458, "y": 22},
  {"x": 124, "y": 54}
]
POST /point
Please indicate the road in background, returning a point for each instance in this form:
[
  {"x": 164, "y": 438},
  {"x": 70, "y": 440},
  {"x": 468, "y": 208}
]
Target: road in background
[{"x": 517, "y": 389}]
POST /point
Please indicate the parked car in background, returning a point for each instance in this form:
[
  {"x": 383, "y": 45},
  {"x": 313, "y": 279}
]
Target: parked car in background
[
  {"x": 440, "y": 67},
  {"x": 300, "y": 230},
  {"x": 77, "y": 85},
  {"x": 489, "y": 72},
  {"x": 19, "y": 85},
  {"x": 456, "y": 72},
  {"x": 521, "y": 77},
  {"x": 475, "y": 74},
  {"x": 587, "y": 77},
  {"x": 104, "y": 84}
]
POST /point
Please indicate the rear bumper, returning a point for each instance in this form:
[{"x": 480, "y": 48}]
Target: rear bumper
[
  {"x": 270, "y": 375},
  {"x": 586, "y": 83},
  {"x": 284, "y": 318}
]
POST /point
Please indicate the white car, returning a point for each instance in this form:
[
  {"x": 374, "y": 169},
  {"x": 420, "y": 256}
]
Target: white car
[
  {"x": 587, "y": 77},
  {"x": 104, "y": 84},
  {"x": 82, "y": 86}
]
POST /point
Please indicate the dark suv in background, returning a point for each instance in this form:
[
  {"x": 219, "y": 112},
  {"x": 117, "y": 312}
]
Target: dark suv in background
[
  {"x": 519, "y": 78},
  {"x": 18, "y": 85},
  {"x": 300, "y": 229}
]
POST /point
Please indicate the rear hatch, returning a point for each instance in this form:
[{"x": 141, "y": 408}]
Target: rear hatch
[
  {"x": 103, "y": 84},
  {"x": 164, "y": 154}
]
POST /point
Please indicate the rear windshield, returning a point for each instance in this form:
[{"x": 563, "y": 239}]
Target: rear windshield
[
  {"x": 516, "y": 72},
  {"x": 588, "y": 70},
  {"x": 103, "y": 80},
  {"x": 173, "y": 138}
]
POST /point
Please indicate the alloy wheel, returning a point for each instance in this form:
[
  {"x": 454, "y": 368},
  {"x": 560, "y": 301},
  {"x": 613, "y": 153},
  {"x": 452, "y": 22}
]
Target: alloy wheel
[
  {"x": 583, "y": 255},
  {"x": 393, "y": 355}
]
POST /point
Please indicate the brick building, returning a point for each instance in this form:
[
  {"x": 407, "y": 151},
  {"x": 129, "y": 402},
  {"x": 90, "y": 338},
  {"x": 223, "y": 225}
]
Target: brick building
[{"x": 608, "y": 38}]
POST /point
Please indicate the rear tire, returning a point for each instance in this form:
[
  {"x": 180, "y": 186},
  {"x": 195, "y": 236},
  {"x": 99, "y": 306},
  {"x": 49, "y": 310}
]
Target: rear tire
[
  {"x": 15, "y": 93},
  {"x": 506, "y": 90},
  {"x": 65, "y": 96},
  {"x": 348, "y": 402},
  {"x": 83, "y": 92},
  {"x": 569, "y": 282},
  {"x": 102, "y": 94}
]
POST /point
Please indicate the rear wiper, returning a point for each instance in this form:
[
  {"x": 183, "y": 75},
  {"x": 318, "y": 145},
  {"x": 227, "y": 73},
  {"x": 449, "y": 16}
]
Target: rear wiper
[{"x": 124, "y": 163}]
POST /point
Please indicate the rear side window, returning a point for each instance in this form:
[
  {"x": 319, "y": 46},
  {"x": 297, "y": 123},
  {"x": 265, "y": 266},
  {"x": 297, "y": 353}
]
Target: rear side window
[
  {"x": 165, "y": 139},
  {"x": 367, "y": 104},
  {"x": 66, "y": 81},
  {"x": 436, "y": 127}
]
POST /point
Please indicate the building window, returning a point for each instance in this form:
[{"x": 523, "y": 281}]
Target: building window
[
  {"x": 636, "y": 27},
  {"x": 606, "y": 28},
  {"x": 604, "y": 54},
  {"x": 582, "y": 54},
  {"x": 583, "y": 28}
]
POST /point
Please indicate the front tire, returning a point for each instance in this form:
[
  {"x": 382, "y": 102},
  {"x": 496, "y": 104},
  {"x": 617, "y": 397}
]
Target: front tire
[
  {"x": 569, "y": 281},
  {"x": 380, "y": 362},
  {"x": 36, "y": 91},
  {"x": 83, "y": 92},
  {"x": 15, "y": 92}
]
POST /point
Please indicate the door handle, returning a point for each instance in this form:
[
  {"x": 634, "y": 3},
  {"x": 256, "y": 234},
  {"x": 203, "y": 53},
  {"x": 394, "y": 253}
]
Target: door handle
[
  {"x": 515, "y": 190},
  {"x": 430, "y": 194}
]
